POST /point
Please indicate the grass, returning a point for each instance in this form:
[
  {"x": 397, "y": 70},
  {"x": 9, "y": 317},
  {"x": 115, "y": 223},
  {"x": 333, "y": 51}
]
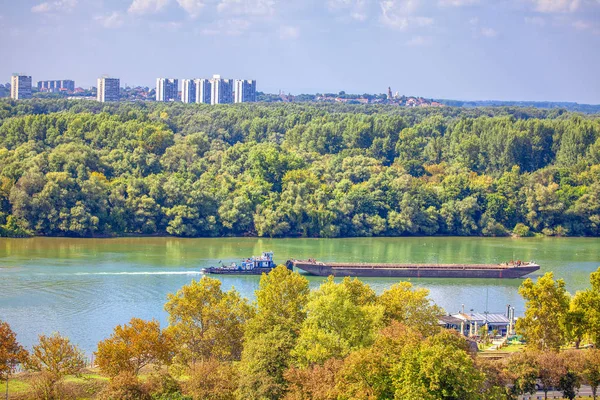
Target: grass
[{"x": 20, "y": 384}]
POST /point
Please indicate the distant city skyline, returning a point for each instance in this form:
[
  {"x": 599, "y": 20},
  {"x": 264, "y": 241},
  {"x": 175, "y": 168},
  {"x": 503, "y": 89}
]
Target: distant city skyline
[{"x": 545, "y": 50}]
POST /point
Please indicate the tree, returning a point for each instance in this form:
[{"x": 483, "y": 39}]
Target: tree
[
  {"x": 271, "y": 333},
  {"x": 212, "y": 380},
  {"x": 588, "y": 303},
  {"x": 547, "y": 304},
  {"x": 131, "y": 347},
  {"x": 551, "y": 370},
  {"x": 521, "y": 369},
  {"x": 412, "y": 307},
  {"x": 54, "y": 357},
  {"x": 206, "y": 322},
  {"x": 11, "y": 353},
  {"x": 313, "y": 383},
  {"x": 336, "y": 324},
  {"x": 591, "y": 370},
  {"x": 437, "y": 369}
]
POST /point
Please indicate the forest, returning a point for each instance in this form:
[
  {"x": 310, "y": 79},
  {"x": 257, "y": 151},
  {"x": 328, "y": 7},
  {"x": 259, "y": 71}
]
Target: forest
[
  {"x": 341, "y": 341},
  {"x": 84, "y": 169}
]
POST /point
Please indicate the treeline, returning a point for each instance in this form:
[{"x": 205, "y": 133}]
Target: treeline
[
  {"x": 341, "y": 341},
  {"x": 75, "y": 168}
]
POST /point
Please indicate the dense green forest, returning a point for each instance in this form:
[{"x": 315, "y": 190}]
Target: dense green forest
[{"x": 79, "y": 168}]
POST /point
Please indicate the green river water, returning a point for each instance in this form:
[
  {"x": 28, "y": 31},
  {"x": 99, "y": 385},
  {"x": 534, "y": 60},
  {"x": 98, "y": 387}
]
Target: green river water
[{"x": 82, "y": 288}]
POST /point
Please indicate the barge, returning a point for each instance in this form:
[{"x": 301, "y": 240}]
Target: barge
[
  {"x": 506, "y": 270},
  {"x": 250, "y": 266}
]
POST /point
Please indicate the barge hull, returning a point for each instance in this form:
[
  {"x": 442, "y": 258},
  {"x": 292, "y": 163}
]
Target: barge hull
[{"x": 415, "y": 270}]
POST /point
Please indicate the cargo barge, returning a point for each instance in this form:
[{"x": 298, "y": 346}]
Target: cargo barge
[
  {"x": 250, "y": 266},
  {"x": 507, "y": 270}
]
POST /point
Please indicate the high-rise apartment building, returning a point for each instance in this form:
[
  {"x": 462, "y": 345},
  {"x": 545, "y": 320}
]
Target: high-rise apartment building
[
  {"x": 109, "y": 89},
  {"x": 203, "y": 91},
  {"x": 188, "y": 91},
  {"x": 20, "y": 87},
  {"x": 56, "y": 86},
  {"x": 166, "y": 89},
  {"x": 221, "y": 90},
  {"x": 245, "y": 91}
]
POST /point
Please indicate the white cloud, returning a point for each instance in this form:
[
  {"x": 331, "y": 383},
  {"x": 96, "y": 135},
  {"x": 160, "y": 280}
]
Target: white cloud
[
  {"x": 457, "y": 3},
  {"x": 555, "y": 6},
  {"x": 110, "y": 21},
  {"x": 289, "y": 32},
  {"x": 488, "y": 32},
  {"x": 356, "y": 9},
  {"x": 192, "y": 7},
  {"x": 247, "y": 7},
  {"x": 419, "y": 41},
  {"x": 399, "y": 14},
  {"x": 147, "y": 6},
  {"x": 58, "y": 5},
  {"x": 581, "y": 25}
]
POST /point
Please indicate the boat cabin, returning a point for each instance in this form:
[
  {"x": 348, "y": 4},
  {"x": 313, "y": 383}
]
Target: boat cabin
[{"x": 264, "y": 261}]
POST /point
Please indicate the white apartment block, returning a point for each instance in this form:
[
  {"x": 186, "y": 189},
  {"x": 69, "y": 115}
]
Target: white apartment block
[
  {"x": 109, "y": 89},
  {"x": 221, "y": 90},
  {"x": 245, "y": 91},
  {"x": 188, "y": 91},
  {"x": 203, "y": 91},
  {"x": 20, "y": 87},
  {"x": 166, "y": 89}
]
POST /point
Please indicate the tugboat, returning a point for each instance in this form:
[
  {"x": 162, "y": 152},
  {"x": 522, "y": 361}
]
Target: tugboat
[{"x": 249, "y": 266}]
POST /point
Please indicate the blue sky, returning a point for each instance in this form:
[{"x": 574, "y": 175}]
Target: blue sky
[{"x": 460, "y": 49}]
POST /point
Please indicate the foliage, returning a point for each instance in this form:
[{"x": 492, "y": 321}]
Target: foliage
[
  {"x": 212, "y": 380},
  {"x": 411, "y": 307},
  {"x": 132, "y": 347},
  {"x": 56, "y": 356},
  {"x": 336, "y": 323},
  {"x": 591, "y": 370},
  {"x": 11, "y": 352},
  {"x": 124, "y": 386},
  {"x": 69, "y": 168},
  {"x": 206, "y": 322},
  {"x": 587, "y": 305},
  {"x": 547, "y": 305}
]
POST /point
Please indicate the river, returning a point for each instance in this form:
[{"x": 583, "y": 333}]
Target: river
[{"x": 83, "y": 288}]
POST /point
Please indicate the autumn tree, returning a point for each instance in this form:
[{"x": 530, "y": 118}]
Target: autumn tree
[
  {"x": 271, "y": 333},
  {"x": 206, "y": 322},
  {"x": 11, "y": 353},
  {"x": 521, "y": 369},
  {"x": 547, "y": 304},
  {"x": 212, "y": 380},
  {"x": 412, "y": 307},
  {"x": 551, "y": 369},
  {"x": 591, "y": 370},
  {"x": 317, "y": 382},
  {"x": 54, "y": 357},
  {"x": 131, "y": 347},
  {"x": 336, "y": 323}
]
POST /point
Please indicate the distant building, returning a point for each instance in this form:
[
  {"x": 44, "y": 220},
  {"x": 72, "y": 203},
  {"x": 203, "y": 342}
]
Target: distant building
[
  {"x": 188, "y": 91},
  {"x": 20, "y": 87},
  {"x": 245, "y": 91},
  {"x": 203, "y": 91},
  {"x": 167, "y": 89},
  {"x": 56, "y": 86},
  {"x": 221, "y": 90},
  {"x": 109, "y": 89}
]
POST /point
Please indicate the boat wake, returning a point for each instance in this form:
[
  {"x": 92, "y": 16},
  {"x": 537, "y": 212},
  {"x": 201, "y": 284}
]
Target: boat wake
[{"x": 142, "y": 273}]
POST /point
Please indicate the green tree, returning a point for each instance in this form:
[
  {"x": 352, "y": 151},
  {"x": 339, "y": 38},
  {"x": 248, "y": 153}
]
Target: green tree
[
  {"x": 335, "y": 324},
  {"x": 547, "y": 305},
  {"x": 587, "y": 303},
  {"x": 206, "y": 322},
  {"x": 412, "y": 307}
]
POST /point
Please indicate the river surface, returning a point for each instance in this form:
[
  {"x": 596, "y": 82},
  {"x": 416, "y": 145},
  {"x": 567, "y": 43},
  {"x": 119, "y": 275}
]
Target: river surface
[{"x": 83, "y": 288}]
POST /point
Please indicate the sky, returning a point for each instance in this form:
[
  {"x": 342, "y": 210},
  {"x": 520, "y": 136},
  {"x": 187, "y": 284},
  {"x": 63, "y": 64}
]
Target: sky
[{"x": 545, "y": 50}]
